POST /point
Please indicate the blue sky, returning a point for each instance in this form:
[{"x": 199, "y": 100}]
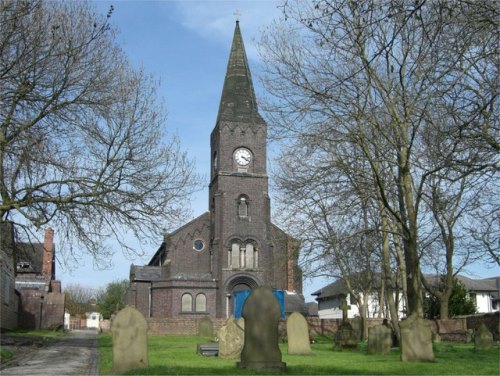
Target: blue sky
[{"x": 186, "y": 45}]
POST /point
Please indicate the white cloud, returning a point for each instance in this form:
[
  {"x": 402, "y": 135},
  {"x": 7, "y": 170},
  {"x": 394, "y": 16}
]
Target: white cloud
[{"x": 215, "y": 19}]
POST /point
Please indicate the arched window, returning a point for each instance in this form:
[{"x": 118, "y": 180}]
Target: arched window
[
  {"x": 242, "y": 256},
  {"x": 187, "y": 303},
  {"x": 243, "y": 207},
  {"x": 201, "y": 303},
  {"x": 234, "y": 256},
  {"x": 249, "y": 256}
]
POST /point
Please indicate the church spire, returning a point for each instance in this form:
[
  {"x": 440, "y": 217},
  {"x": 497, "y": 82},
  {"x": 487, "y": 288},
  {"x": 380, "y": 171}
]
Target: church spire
[{"x": 238, "y": 101}]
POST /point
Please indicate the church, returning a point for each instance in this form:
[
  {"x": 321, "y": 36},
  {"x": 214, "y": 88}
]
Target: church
[{"x": 198, "y": 268}]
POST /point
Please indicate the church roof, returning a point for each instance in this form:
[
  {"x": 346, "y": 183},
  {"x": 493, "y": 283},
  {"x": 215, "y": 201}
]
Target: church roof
[{"x": 238, "y": 101}]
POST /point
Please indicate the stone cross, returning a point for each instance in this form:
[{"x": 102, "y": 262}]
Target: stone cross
[{"x": 344, "y": 307}]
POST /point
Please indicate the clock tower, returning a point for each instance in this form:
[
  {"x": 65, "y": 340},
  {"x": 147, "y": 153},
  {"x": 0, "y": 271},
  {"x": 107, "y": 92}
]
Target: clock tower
[{"x": 241, "y": 241}]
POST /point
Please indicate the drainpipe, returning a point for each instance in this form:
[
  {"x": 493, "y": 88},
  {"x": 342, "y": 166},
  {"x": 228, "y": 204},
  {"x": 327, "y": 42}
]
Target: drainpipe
[{"x": 149, "y": 299}]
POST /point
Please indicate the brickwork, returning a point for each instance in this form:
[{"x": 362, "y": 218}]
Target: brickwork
[
  {"x": 491, "y": 320},
  {"x": 179, "y": 326},
  {"x": 9, "y": 298}
]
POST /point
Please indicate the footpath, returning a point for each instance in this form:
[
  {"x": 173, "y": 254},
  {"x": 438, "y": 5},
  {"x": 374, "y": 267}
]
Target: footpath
[{"x": 75, "y": 354}]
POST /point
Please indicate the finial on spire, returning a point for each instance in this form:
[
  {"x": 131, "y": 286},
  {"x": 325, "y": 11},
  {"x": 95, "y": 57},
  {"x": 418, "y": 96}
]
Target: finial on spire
[{"x": 237, "y": 14}]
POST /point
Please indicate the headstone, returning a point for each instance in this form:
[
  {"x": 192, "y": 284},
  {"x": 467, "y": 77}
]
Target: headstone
[
  {"x": 345, "y": 307},
  {"x": 416, "y": 339},
  {"x": 483, "y": 339},
  {"x": 231, "y": 337},
  {"x": 379, "y": 340},
  {"x": 206, "y": 327},
  {"x": 130, "y": 340},
  {"x": 346, "y": 337},
  {"x": 357, "y": 327},
  {"x": 298, "y": 334},
  {"x": 261, "y": 312}
]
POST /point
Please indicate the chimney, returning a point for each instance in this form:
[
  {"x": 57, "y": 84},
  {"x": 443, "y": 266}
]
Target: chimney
[{"x": 48, "y": 267}]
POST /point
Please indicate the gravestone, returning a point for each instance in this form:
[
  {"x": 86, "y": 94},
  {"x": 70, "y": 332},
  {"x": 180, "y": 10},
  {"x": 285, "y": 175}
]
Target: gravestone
[
  {"x": 357, "y": 327},
  {"x": 206, "y": 327},
  {"x": 130, "y": 341},
  {"x": 298, "y": 334},
  {"x": 416, "y": 339},
  {"x": 231, "y": 337},
  {"x": 483, "y": 339},
  {"x": 346, "y": 337},
  {"x": 379, "y": 340},
  {"x": 261, "y": 312}
]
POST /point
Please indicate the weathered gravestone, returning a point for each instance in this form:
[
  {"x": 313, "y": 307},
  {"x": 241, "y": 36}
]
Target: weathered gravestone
[
  {"x": 206, "y": 327},
  {"x": 298, "y": 334},
  {"x": 261, "y": 312},
  {"x": 483, "y": 339},
  {"x": 346, "y": 337},
  {"x": 416, "y": 339},
  {"x": 130, "y": 340},
  {"x": 379, "y": 339},
  {"x": 231, "y": 337}
]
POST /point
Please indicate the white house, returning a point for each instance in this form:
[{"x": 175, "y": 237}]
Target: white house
[
  {"x": 484, "y": 292},
  {"x": 94, "y": 320}
]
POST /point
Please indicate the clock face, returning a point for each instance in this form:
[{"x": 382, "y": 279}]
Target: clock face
[{"x": 242, "y": 156}]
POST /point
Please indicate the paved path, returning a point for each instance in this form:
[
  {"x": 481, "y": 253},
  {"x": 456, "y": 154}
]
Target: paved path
[{"x": 75, "y": 354}]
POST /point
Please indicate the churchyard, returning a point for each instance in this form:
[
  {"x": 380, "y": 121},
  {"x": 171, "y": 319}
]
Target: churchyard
[{"x": 177, "y": 355}]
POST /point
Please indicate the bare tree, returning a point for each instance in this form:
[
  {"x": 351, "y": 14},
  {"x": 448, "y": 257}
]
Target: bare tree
[
  {"x": 79, "y": 299},
  {"x": 380, "y": 77},
  {"x": 82, "y": 140}
]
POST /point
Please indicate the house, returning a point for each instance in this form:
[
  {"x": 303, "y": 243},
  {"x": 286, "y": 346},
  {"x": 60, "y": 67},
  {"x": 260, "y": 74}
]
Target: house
[
  {"x": 484, "y": 292},
  {"x": 332, "y": 297},
  {"x": 41, "y": 299},
  {"x": 234, "y": 246},
  {"x": 9, "y": 297},
  {"x": 93, "y": 320}
]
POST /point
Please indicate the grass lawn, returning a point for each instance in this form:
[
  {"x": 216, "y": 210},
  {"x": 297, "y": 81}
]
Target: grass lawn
[
  {"x": 37, "y": 333},
  {"x": 176, "y": 355}
]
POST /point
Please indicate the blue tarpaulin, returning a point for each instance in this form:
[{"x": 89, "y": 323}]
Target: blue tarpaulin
[{"x": 239, "y": 298}]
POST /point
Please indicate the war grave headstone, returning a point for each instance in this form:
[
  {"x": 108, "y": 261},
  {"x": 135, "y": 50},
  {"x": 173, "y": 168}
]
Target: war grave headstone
[
  {"x": 130, "y": 340},
  {"x": 231, "y": 337},
  {"x": 416, "y": 339},
  {"x": 483, "y": 339},
  {"x": 261, "y": 312},
  {"x": 298, "y": 334},
  {"x": 346, "y": 337},
  {"x": 379, "y": 339}
]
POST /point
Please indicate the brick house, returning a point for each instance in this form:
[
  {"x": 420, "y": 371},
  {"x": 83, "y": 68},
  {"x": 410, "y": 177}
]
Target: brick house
[
  {"x": 234, "y": 246},
  {"x": 9, "y": 297},
  {"x": 41, "y": 299}
]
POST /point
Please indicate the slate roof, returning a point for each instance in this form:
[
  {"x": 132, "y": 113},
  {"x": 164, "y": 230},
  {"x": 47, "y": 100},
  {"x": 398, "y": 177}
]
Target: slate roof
[
  {"x": 238, "y": 102},
  {"x": 295, "y": 303},
  {"x": 472, "y": 285},
  {"x": 29, "y": 257}
]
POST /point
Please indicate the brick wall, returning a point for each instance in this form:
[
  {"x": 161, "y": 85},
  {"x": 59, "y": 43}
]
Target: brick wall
[
  {"x": 179, "y": 326},
  {"x": 38, "y": 313},
  {"x": 53, "y": 315},
  {"x": 9, "y": 298},
  {"x": 491, "y": 320}
]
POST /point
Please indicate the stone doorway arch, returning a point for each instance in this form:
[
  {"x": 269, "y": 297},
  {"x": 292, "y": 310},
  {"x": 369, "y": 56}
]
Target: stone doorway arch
[{"x": 235, "y": 284}]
